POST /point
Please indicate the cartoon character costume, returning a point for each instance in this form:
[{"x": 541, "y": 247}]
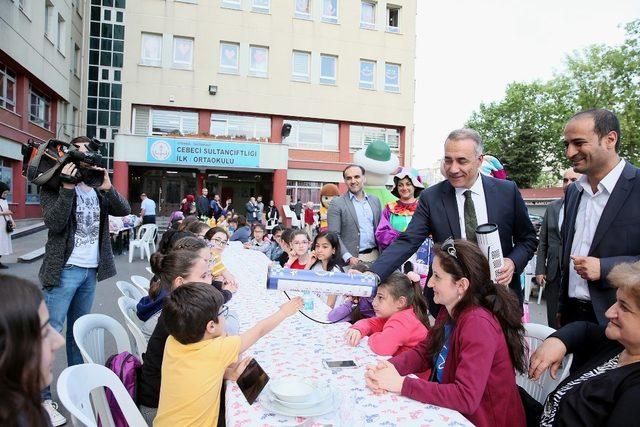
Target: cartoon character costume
[{"x": 327, "y": 193}]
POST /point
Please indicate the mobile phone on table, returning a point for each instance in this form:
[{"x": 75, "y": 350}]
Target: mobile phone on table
[
  {"x": 252, "y": 381},
  {"x": 339, "y": 364}
]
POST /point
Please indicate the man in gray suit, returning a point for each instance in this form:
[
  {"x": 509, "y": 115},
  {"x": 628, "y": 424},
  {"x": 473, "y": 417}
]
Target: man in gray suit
[
  {"x": 354, "y": 216},
  {"x": 550, "y": 250}
]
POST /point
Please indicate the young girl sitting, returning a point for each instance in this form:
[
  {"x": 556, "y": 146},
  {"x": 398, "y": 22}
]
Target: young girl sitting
[
  {"x": 401, "y": 321},
  {"x": 325, "y": 257},
  {"x": 300, "y": 250},
  {"x": 258, "y": 240},
  {"x": 218, "y": 240}
]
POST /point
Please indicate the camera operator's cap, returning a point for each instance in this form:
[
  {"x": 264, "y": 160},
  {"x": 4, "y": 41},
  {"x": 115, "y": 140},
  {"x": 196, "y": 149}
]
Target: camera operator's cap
[{"x": 413, "y": 175}]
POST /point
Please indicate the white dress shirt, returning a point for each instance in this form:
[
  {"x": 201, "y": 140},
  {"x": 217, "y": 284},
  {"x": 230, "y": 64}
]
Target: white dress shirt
[
  {"x": 479, "y": 202},
  {"x": 589, "y": 212}
]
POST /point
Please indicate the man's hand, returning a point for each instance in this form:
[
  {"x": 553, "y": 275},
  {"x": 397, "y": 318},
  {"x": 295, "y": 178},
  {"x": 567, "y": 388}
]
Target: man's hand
[
  {"x": 234, "y": 370},
  {"x": 541, "y": 279},
  {"x": 353, "y": 261},
  {"x": 69, "y": 169},
  {"x": 548, "y": 356},
  {"x": 106, "y": 183},
  {"x": 505, "y": 274},
  {"x": 353, "y": 337},
  {"x": 587, "y": 267}
]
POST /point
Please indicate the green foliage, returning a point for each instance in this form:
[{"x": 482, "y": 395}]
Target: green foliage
[{"x": 524, "y": 130}]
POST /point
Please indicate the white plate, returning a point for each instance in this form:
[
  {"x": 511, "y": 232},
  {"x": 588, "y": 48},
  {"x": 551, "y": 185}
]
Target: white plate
[
  {"x": 317, "y": 398},
  {"x": 329, "y": 405}
]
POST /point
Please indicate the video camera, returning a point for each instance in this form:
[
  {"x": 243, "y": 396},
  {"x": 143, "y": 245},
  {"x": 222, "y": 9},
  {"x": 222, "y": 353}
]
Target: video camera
[{"x": 42, "y": 163}]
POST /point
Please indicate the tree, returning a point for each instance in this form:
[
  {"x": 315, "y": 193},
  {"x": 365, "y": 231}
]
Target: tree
[{"x": 524, "y": 130}]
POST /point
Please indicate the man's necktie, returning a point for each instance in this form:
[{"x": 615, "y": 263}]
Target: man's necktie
[{"x": 470, "y": 220}]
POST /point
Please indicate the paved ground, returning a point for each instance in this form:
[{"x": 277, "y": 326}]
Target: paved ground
[{"x": 107, "y": 293}]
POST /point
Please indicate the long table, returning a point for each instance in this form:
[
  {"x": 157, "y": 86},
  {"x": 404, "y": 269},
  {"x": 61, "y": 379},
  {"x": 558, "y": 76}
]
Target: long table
[{"x": 296, "y": 348}]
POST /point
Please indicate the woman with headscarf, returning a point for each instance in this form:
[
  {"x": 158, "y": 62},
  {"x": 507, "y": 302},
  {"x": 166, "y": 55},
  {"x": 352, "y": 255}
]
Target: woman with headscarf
[{"x": 5, "y": 218}]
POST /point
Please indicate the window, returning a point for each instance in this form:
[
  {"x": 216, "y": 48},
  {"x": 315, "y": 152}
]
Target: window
[
  {"x": 367, "y": 74},
  {"x": 303, "y": 9},
  {"x": 151, "y": 53},
  {"x": 74, "y": 122},
  {"x": 306, "y": 191},
  {"x": 48, "y": 19},
  {"x": 261, "y": 6},
  {"x": 76, "y": 60},
  {"x": 229, "y": 57},
  {"x": 236, "y": 126},
  {"x": 312, "y": 135},
  {"x": 393, "y": 19},
  {"x": 40, "y": 109},
  {"x": 183, "y": 53},
  {"x": 361, "y": 136},
  {"x": 328, "y": 69},
  {"x": 301, "y": 64},
  {"x": 391, "y": 77},
  {"x": 7, "y": 88},
  {"x": 6, "y": 176},
  {"x": 330, "y": 11},
  {"x": 259, "y": 65},
  {"x": 61, "y": 41},
  {"x": 367, "y": 15},
  {"x": 231, "y": 4},
  {"x": 33, "y": 194},
  {"x": 173, "y": 122}
]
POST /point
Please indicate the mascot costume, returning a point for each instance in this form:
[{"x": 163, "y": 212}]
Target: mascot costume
[
  {"x": 327, "y": 193},
  {"x": 379, "y": 163}
]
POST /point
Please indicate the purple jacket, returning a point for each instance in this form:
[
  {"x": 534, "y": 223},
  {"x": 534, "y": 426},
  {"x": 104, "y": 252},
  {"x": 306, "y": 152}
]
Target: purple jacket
[{"x": 342, "y": 313}]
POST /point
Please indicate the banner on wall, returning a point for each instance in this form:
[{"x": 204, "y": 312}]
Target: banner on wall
[{"x": 204, "y": 153}]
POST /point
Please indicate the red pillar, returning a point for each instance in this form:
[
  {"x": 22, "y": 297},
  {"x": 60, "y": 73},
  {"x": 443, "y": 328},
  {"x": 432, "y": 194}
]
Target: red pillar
[
  {"x": 204, "y": 122},
  {"x": 121, "y": 178},
  {"x": 276, "y": 129},
  {"x": 280, "y": 190}
]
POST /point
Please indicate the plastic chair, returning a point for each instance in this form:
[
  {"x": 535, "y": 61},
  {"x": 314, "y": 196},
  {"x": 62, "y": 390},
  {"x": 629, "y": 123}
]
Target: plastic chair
[
  {"x": 88, "y": 333},
  {"x": 130, "y": 291},
  {"x": 149, "y": 270},
  {"x": 145, "y": 241},
  {"x": 128, "y": 310},
  {"x": 539, "y": 389},
  {"x": 141, "y": 282},
  {"x": 75, "y": 385}
]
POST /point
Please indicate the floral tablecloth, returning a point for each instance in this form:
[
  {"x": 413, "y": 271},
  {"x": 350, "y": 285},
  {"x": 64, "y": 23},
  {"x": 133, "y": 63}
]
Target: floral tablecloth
[{"x": 297, "y": 347}]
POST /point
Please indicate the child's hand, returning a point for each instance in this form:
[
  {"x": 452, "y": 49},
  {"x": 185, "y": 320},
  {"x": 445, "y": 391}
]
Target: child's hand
[
  {"x": 353, "y": 337},
  {"x": 247, "y": 245},
  {"x": 290, "y": 308},
  {"x": 234, "y": 370},
  {"x": 413, "y": 276}
]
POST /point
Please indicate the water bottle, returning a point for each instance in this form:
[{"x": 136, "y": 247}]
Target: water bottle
[{"x": 307, "y": 298}]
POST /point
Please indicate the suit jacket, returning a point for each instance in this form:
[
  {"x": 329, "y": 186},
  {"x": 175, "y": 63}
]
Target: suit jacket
[
  {"x": 616, "y": 240},
  {"x": 550, "y": 246},
  {"x": 343, "y": 220},
  {"x": 437, "y": 215}
]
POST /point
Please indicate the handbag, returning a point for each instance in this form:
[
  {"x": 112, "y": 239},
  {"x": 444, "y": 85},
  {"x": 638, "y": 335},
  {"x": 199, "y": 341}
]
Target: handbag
[{"x": 9, "y": 224}]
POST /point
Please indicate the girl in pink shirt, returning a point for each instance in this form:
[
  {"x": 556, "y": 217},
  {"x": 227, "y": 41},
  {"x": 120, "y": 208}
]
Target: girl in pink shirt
[{"x": 401, "y": 321}]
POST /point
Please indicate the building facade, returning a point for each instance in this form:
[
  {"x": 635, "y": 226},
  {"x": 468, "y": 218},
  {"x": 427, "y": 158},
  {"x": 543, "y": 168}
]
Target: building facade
[
  {"x": 254, "y": 97},
  {"x": 40, "y": 86}
]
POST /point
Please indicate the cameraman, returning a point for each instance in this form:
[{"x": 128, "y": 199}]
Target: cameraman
[{"x": 77, "y": 254}]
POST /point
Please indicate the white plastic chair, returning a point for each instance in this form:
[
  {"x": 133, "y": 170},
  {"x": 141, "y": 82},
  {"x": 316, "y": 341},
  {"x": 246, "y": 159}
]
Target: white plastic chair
[
  {"x": 539, "y": 389},
  {"x": 88, "y": 333},
  {"x": 128, "y": 310},
  {"x": 149, "y": 270},
  {"x": 141, "y": 282},
  {"x": 130, "y": 290},
  {"x": 76, "y": 384},
  {"x": 145, "y": 241}
]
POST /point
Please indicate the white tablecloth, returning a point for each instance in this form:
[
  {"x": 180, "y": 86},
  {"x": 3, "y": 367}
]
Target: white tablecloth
[{"x": 297, "y": 347}]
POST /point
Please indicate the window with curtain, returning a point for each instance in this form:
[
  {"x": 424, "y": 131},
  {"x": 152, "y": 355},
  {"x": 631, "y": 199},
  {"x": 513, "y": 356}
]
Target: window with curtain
[
  {"x": 361, "y": 136},
  {"x": 250, "y": 128},
  {"x": 312, "y": 135},
  {"x": 173, "y": 122}
]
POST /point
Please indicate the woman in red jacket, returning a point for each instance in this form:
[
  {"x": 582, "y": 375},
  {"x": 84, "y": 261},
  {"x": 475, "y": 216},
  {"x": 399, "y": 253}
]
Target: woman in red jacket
[{"x": 474, "y": 348}]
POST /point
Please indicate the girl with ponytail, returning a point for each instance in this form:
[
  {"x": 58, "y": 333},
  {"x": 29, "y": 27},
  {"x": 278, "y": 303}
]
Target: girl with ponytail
[
  {"x": 401, "y": 321},
  {"x": 474, "y": 348}
]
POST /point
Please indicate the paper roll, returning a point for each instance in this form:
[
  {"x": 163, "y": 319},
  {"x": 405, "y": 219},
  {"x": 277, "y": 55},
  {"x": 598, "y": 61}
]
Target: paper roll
[{"x": 489, "y": 242}]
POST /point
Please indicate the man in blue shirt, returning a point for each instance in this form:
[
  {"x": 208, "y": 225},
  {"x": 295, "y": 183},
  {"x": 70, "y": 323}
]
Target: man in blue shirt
[{"x": 147, "y": 210}]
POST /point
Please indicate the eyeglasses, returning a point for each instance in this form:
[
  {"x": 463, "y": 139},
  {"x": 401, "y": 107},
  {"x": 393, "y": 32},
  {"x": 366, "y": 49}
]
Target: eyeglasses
[
  {"x": 220, "y": 242},
  {"x": 449, "y": 247},
  {"x": 223, "y": 311}
]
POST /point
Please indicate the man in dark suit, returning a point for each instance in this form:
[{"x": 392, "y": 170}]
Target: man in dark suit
[
  {"x": 550, "y": 250},
  {"x": 601, "y": 216},
  {"x": 454, "y": 208}
]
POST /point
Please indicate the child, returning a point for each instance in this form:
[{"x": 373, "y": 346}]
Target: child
[
  {"x": 353, "y": 308},
  {"x": 232, "y": 225},
  {"x": 401, "y": 321},
  {"x": 258, "y": 241},
  {"x": 325, "y": 257},
  {"x": 274, "y": 250},
  {"x": 199, "y": 351},
  {"x": 285, "y": 245},
  {"x": 218, "y": 240},
  {"x": 299, "y": 250}
]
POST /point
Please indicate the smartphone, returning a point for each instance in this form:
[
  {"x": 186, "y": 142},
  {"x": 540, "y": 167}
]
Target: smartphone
[
  {"x": 339, "y": 364},
  {"x": 252, "y": 381}
]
